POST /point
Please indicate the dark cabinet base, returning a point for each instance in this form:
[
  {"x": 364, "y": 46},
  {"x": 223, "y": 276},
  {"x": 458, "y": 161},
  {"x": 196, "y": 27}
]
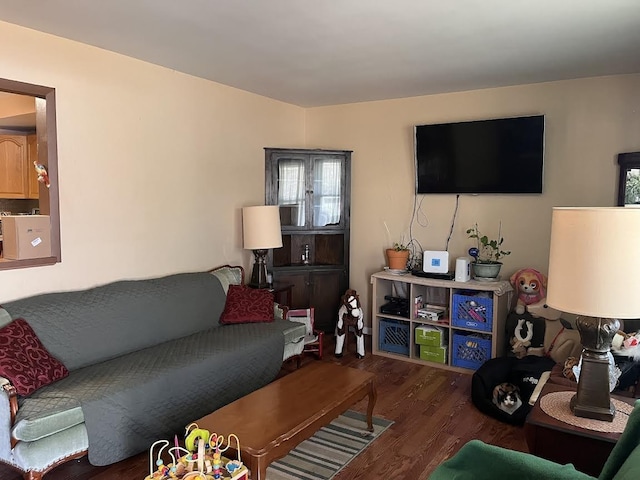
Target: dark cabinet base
[{"x": 321, "y": 289}]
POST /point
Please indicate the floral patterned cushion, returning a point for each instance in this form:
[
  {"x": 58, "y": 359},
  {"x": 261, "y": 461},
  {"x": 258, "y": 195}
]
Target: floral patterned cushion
[
  {"x": 247, "y": 305},
  {"x": 25, "y": 361}
]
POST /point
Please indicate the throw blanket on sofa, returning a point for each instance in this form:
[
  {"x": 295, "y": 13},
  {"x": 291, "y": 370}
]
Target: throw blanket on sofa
[{"x": 131, "y": 401}]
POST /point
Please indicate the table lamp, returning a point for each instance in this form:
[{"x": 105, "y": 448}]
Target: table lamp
[
  {"x": 261, "y": 231},
  {"x": 594, "y": 272}
]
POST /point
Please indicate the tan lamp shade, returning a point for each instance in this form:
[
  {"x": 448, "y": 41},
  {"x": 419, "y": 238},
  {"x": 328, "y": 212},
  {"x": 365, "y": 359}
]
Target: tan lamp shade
[
  {"x": 261, "y": 227},
  {"x": 594, "y": 261}
]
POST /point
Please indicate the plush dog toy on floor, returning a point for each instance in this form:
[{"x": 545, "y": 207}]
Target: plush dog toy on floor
[
  {"x": 560, "y": 342},
  {"x": 350, "y": 313},
  {"x": 531, "y": 286}
]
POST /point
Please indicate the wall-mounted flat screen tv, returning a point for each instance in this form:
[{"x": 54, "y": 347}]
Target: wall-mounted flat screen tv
[{"x": 502, "y": 155}]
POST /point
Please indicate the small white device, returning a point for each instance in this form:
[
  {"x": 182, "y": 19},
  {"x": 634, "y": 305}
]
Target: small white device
[
  {"x": 435, "y": 261},
  {"x": 463, "y": 269}
]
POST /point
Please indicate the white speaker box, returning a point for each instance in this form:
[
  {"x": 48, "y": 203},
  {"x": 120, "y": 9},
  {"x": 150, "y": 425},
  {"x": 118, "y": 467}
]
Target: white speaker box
[{"x": 463, "y": 269}]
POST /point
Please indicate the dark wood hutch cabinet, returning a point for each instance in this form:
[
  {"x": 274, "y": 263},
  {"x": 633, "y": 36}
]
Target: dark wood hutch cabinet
[{"x": 312, "y": 188}]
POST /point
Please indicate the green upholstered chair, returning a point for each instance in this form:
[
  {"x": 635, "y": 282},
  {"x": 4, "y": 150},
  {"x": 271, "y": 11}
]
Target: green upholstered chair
[{"x": 477, "y": 460}]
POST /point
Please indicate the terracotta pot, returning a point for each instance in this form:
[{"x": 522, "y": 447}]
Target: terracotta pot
[{"x": 397, "y": 259}]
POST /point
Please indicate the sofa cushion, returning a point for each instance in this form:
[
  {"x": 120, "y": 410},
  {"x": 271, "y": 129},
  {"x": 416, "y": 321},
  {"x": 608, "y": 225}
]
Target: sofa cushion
[
  {"x": 48, "y": 412},
  {"x": 42, "y": 415},
  {"x": 43, "y": 453},
  {"x": 25, "y": 361},
  {"x": 247, "y": 305},
  {"x": 129, "y": 402}
]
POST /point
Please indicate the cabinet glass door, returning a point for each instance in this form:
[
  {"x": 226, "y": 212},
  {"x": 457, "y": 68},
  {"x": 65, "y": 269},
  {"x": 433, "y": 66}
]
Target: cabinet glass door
[
  {"x": 292, "y": 193},
  {"x": 327, "y": 191}
]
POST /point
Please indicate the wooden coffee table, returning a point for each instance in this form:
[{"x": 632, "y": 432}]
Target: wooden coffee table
[{"x": 274, "y": 419}]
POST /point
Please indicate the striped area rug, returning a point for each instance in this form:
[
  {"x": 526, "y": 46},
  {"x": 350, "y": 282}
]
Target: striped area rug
[{"x": 332, "y": 447}]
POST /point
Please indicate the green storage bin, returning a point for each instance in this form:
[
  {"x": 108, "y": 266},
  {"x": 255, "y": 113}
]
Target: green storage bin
[
  {"x": 433, "y": 354},
  {"x": 431, "y": 336}
]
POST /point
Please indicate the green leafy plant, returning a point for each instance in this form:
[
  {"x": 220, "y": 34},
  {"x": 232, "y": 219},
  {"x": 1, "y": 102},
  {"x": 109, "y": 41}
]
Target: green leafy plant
[
  {"x": 489, "y": 250},
  {"x": 399, "y": 247}
]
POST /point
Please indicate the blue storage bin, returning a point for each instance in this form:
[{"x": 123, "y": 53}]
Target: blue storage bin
[
  {"x": 394, "y": 336},
  {"x": 470, "y": 350},
  {"x": 472, "y": 311}
]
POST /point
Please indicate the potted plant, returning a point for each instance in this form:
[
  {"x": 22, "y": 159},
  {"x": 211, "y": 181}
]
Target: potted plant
[
  {"x": 487, "y": 253},
  {"x": 398, "y": 256}
]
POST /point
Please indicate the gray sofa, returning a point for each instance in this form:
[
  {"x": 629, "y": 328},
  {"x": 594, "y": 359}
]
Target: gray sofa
[{"x": 146, "y": 357}]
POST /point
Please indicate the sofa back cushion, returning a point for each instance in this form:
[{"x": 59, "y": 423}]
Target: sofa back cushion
[{"x": 84, "y": 327}]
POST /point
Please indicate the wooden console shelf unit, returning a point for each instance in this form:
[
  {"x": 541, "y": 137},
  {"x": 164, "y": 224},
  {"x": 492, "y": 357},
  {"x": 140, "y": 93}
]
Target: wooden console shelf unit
[{"x": 496, "y": 295}]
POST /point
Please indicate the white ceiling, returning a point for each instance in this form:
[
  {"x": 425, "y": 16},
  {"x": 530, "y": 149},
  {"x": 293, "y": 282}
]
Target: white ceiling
[{"x": 325, "y": 52}]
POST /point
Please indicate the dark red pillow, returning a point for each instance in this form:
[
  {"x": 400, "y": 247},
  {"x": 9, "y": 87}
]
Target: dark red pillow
[
  {"x": 25, "y": 361},
  {"x": 247, "y": 305}
]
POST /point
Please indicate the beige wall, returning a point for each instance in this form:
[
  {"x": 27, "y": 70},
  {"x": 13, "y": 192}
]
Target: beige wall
[
  {"x": 154, "y": 165},
  {"x": 12, "y": 105},
  {"x": 588, "y": 122}
]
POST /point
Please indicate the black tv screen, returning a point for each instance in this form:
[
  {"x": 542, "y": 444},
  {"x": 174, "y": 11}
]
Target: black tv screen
[{"x": 488, "y": 156}]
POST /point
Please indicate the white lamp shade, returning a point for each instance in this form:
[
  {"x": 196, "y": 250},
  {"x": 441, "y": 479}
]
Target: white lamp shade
[
  {"x": 594, "y": 262},
  {"x": 261, "y": 227}
]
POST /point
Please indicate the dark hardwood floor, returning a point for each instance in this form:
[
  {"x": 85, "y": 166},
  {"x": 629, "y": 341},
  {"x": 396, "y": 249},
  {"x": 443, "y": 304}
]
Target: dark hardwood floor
[{"x": 431, "y": 408}]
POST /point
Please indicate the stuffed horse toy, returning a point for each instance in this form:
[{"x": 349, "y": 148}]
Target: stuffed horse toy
[{"x": 350, "y": 313}]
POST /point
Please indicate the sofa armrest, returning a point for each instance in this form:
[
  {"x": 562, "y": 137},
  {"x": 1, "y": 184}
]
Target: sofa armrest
[
  {"x": 11, "y": 394},
  {"x": 280, "y": 311},
  {"x": 228, "y": 275},
  {"x": 477, "y": 460}
]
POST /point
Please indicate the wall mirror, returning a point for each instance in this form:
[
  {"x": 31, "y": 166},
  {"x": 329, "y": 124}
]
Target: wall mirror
[
  {"x": 629, "y": 180},
  {"x": 39, "y": 128}
]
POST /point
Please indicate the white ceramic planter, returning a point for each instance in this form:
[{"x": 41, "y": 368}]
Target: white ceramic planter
[{"x": 486, "y": 270}]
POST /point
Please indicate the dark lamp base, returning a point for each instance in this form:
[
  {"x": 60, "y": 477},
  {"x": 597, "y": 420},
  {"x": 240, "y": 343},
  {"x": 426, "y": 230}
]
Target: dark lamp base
[
  {"x": 259, "y": 273},
  {"x": 594, "y": 412},
  {"x": 593, "y": 399}
]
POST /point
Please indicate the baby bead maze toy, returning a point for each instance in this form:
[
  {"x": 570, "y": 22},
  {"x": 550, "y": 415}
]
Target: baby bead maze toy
[{"x": 201, "y": 459}]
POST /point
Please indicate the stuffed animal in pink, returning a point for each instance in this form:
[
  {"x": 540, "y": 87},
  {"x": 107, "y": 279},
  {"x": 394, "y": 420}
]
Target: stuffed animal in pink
[{"x": 531, "y": 287}]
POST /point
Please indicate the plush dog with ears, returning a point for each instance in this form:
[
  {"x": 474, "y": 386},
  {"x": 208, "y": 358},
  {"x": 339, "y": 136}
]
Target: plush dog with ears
[
  {"x": 560, "y": 342},
  {"x": 531, "y": 286}
]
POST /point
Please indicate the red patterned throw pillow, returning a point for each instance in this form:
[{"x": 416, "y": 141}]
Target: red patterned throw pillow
[
  {"x": 25, "y": 361},
  {"x": 247, "y": 305}
]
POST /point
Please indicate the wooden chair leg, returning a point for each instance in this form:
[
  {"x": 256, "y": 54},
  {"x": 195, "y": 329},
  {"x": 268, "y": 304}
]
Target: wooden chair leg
[{"x": 320, "y": 342}]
